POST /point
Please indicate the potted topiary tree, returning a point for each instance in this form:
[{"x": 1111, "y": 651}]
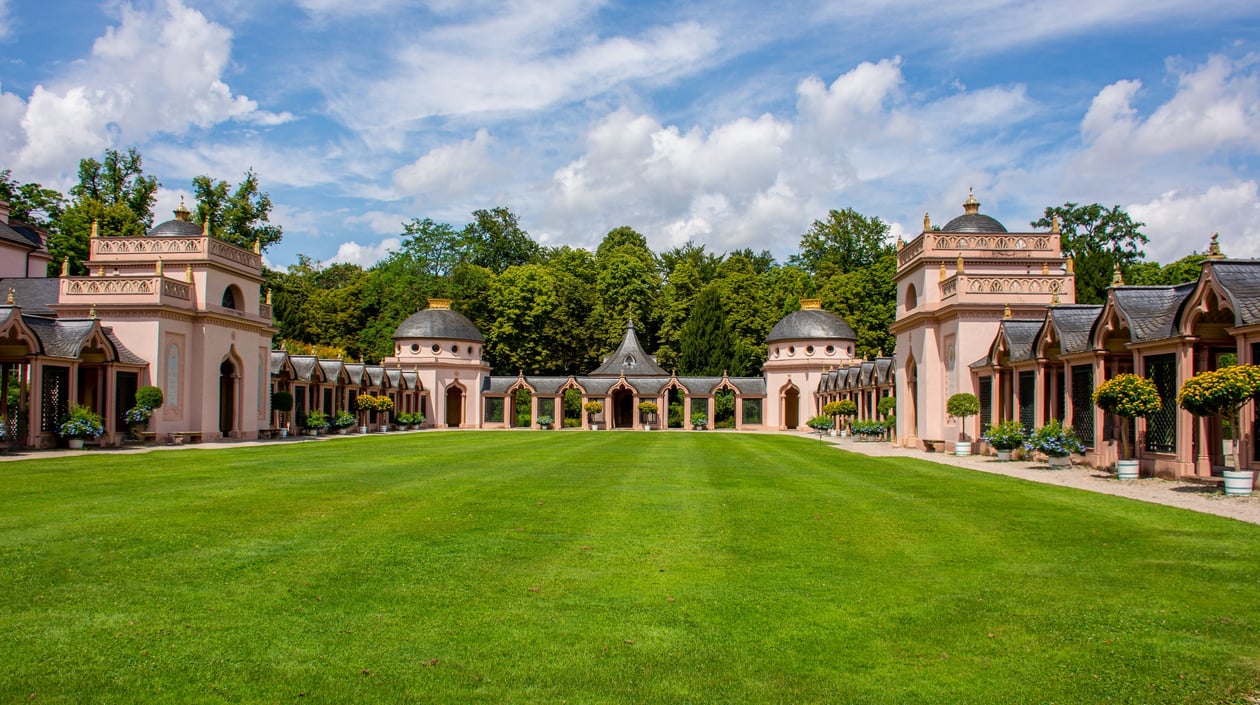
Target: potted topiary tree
[
  {"x": 364, "y": 404},
  {"x": 384, "y": 407},
  {"x": 887, "y": 408},
  {"x": 648, "y": 409},
  {"x": 832, "y": 409},
  {"x": 1223, "y": 393},
  {"x": 137, "y": 417},
  {"x": 699, "y": 420},
  {"x": 282, "y": 402},
  {"x": 593, "y": 409},
  {"x": 1131, "y": 397},
  {"x": 963, "y": 405}
]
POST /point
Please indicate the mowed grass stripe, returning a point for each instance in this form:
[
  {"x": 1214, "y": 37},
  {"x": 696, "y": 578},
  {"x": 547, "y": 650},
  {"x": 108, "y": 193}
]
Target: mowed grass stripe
[{"x": 609, "y": 567}]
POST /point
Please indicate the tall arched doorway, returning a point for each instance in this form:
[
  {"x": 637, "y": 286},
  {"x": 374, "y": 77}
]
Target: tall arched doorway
[
  {"x": 791, "y": 408},
  {"x": 227, "y": 398},
  {"x": 911, "y": 424},
  {"x": 454, "y": 407},
  {"x": 623, "y": 408}
]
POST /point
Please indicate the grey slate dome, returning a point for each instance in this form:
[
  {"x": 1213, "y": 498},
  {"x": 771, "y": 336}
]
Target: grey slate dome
[
  {"x": 438, "y": 321},
  {"x": 811, "y": 322},
  {"x": 181, "y": 226},
  {"x": 971, "y": 221}
]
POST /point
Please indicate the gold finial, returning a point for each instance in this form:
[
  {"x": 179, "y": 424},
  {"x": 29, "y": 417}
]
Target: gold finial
[
  {"x": 1045, "y": 268},
  {"x": 1054, "y": 300},
  {"x": 811, "y": 304},
  {"x": 100, "y": 271},
  {"x": 257, "y": 246},
  {"x": 1071, "y": 265},
  {"x": 971, "y": 206},
  {"x": 1214, "y": 250},
  {"x": 11, "y": 301},
  {"x": 182, "y": 212},
  {"x": 1117, "y": 279},
  {"x": 188, "y": 273},
  {"x": 943, "y": 274},
  {"x": 439, "y": 304},
  {"x": 65, "y": 267},
  {"x": 927, "y": 223},
  {"x": 900, "y": 244},
  {"x": 1006, "y": 311},
  {"x": 960, "y": 264},
  {"x": 1054, "y": 224},
  {"x": 205, "y": 227},
  {"x": 92, "y": 312},
  {"x": 96, "y": 228},
  {"x": 160, "y": 266},
  {"x": 269, "y": 297}
]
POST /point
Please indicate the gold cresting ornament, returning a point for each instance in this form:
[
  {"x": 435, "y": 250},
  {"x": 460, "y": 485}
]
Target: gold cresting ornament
[
  {"x": 96, "y": 228},
  {"x": 927, "y": 222},
  {"x": 1071, "y": 265},
  {"x": 1006, "y": 312},
  {"x": 960, "y": 264},
  {"x": 1214, "y": 250},
  {"x": 11, "y": 300}
]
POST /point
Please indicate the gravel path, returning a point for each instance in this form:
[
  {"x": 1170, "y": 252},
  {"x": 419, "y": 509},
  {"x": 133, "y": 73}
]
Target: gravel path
[{"x": 1197, "y": 497}]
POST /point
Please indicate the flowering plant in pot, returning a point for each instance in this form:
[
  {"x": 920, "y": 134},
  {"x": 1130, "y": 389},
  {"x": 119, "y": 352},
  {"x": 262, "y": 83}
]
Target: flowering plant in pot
[
  {"x": 342, "y": 421},
  {"x": 545, "y": 422},
  {"x": 1131, "y": 397},
  {"x": 1004, "y": 437},
  {"x": 699, "y": 420},
  {"x": 1223, "y": 393},
  {"x": 315, "y": 422},
  {"x": 1055, "y": 441},
  {"x": 81, "y": 424},
  {"x": 148, "y": 398},
  {"x": 963, "y": 405},
  {"x": 866, "y": 430}
]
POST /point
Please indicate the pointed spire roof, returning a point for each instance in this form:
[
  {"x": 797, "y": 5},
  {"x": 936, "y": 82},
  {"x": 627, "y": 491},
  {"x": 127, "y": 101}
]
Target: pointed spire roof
[{"x": 630, "y": 359}]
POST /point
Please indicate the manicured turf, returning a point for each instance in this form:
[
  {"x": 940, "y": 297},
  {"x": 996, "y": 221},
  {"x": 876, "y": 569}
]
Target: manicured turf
[{"x": 605, "y": 568}]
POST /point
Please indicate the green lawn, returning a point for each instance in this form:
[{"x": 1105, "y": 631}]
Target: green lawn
[{"x": 605, "y": 568}]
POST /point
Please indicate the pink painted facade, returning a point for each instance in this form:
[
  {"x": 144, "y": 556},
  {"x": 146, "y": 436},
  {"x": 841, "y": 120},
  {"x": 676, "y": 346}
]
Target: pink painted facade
[{"x": 954, "y": 287}]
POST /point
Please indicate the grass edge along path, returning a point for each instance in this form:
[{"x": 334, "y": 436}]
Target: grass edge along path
[{"x": 606, "y": 568}]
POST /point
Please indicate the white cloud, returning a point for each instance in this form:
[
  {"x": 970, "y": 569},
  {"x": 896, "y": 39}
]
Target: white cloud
[
  {"x": 6, "y": 22},
  {"x": 157, "y": 71},
  {"x": 275, "y": 166},
  {"x": 364, "y": 255},
  {"x": 451, "y": 171},
  {"x": 520, "y": 57},
  {"x": 380, "y": 222},
  {"x": 1178, "y": 221}
]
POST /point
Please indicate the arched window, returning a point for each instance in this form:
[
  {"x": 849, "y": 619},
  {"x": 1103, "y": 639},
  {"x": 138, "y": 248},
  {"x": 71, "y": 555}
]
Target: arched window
[
  {"x": 912, "y": 297},
  {"x": 230, "y": 298}
]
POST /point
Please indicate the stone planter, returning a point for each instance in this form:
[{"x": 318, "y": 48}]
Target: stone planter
[
  {"x": 75, "y": 443},
  {"x": 363, "y": 429},
  {"x": 1239, "y": 483},
  {"x": 1004, "y": 455},
  {"x": 1059, "y": 462},
  {"x": 343, "y": 431},
  {"x": 962, "y": 449},
  {"x": 647, "y": 427},
  {"x": 594, "y": 427},
  {"x": 284, "y": 433},
  {"x": 1126, "y": 469}
]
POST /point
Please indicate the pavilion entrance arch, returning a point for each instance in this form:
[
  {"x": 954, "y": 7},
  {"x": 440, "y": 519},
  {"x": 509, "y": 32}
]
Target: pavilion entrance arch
[
  {"x": 791, "y": 397},
  {"x": 228, "y": 378},
  {"x": 1208, "y": 318},
  {"x": 623, "y": 406},
  {"x": 519, "y": 411},
  {"x": 18, "y": 345},
  {"x": 454, "y": 399},
  {"x": 912, "y": 399},
  {"x": 570, "y": 412},
  {"x": 674, "y": 414}
]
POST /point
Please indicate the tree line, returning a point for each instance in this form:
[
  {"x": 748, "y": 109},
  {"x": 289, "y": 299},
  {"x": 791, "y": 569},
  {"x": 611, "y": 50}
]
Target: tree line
[{"x": 559, "y": 310}]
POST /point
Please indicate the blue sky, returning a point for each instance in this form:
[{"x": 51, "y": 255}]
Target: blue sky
[{"x": 732, "y": 124}]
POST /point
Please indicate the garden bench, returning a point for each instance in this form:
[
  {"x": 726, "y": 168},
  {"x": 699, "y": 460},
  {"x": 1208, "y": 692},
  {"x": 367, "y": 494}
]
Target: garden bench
[
  {"x": 933, "y": 446},
  {"x": 268, "y": 433},
  {"x": 181, "y": 437},
  {"x": 146, "y": 436}
]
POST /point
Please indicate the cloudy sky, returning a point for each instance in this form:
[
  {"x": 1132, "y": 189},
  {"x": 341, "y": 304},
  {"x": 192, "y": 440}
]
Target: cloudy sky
[{"x": 731, "y": 123}]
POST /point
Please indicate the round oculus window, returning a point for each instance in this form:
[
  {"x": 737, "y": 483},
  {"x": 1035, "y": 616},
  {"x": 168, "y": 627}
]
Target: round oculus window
[{"x": 436, "y": 348}]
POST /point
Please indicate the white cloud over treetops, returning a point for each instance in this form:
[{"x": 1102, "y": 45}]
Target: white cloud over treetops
[{"x": 158, "y": 70}]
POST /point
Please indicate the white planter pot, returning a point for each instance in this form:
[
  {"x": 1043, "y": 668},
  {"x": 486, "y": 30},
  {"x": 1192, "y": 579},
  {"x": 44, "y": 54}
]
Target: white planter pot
[
  {"x": 363, "y": 429},
  {"x": 594, "y": 427},
  {"x": 1059, "y": 462},
  {"x": 647, "y": 427},
  {"x": 962, "y": 448},
  {"x": 343, "y": 431},
  {"x": 284, "y": 433},
  {"x": 1004, "y": 455},
  {"x": 1239, "y": 483},
  {"x": 75, "y": 443},
  {"x": 844, "y": 433},
  {"x": 1126, "y": 469}
]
